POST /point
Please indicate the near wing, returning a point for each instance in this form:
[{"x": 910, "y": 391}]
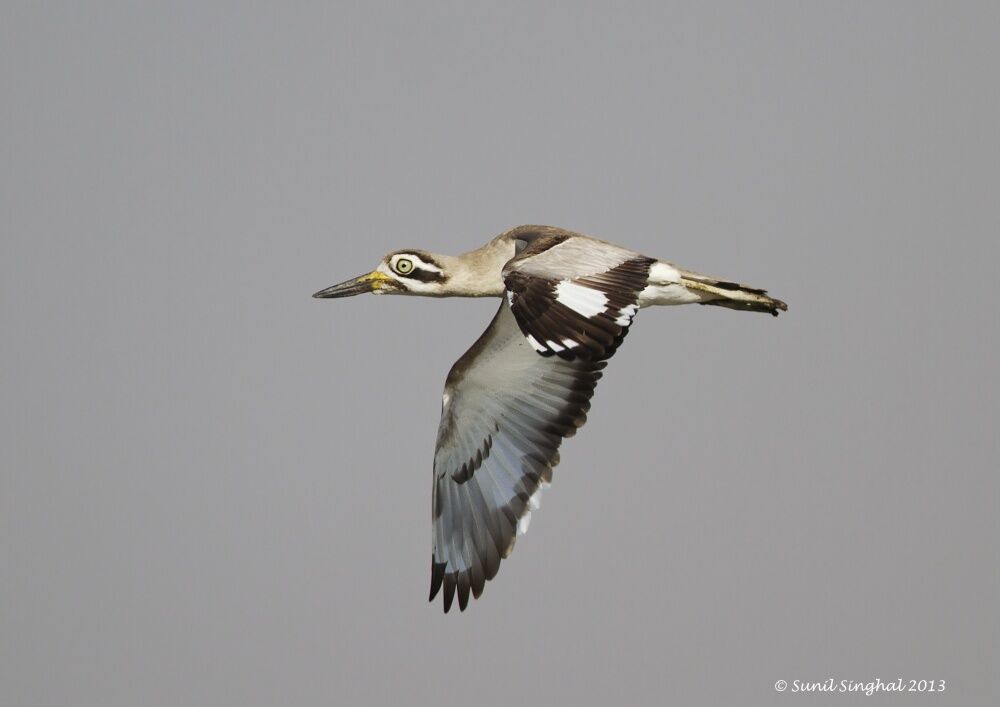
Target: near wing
[
  {"x": 575, "y": 297},
  {"x": 505, "y": 412}
]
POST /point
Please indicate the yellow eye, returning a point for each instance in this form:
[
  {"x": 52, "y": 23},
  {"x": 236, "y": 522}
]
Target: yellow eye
[{"x": 404, "y": 266}]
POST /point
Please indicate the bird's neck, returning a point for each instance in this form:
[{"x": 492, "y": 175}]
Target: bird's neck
[{"x": 478, "y": 273}]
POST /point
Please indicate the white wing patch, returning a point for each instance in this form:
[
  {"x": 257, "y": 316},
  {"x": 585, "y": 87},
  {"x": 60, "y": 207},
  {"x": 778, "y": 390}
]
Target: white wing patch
[
  {"x": 582, "y": 300},
  {"x": 534, "y": 503},
  {"x": 535, "y": 345},
  {"x": 584, "y": 316},
  {"x": 625, "y": 314}
]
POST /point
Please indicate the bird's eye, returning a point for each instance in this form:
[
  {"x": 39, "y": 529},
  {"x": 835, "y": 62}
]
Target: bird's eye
[{"x": 404, "y": 266}]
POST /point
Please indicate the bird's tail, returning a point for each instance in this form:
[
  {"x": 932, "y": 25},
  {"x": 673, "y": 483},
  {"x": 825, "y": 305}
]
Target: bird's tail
[{"x": 733, "y": 295}]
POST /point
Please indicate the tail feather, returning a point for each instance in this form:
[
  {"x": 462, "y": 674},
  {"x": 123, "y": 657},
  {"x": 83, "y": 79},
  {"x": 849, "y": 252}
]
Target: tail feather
[{"x": 733, "y": 295}]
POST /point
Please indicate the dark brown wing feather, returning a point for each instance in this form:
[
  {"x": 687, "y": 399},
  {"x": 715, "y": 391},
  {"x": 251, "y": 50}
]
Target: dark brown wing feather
[{"x": 556, "y": 328}]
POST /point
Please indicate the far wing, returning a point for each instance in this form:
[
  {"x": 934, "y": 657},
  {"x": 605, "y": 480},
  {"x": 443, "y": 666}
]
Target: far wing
[{"x": 505, "y": 412}]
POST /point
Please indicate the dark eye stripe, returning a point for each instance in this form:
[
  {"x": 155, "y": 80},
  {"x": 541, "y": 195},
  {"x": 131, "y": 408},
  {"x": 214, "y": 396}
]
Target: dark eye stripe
[{"x": 418, "y": 273}]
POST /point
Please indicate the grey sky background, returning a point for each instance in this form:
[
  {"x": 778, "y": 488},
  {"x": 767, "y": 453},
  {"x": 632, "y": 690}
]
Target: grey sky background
[{"x": 215, "y": 490}]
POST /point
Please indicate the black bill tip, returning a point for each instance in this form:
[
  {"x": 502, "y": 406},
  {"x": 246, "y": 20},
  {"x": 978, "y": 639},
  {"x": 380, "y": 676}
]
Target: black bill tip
[{"x": 365, "y": 283}]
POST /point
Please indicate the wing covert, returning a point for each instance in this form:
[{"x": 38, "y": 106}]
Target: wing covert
[{"x": 575, "y": 297}]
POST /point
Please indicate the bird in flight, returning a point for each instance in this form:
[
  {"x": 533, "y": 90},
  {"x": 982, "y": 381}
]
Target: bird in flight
[{"x": 568, "y": 301}]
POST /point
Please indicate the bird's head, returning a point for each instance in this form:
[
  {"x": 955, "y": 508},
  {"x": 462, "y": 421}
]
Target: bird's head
[{"x": 402, "y": 272}]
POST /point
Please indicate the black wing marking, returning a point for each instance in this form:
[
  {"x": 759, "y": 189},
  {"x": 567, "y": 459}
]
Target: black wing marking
[{"x": 582, "y": 317}]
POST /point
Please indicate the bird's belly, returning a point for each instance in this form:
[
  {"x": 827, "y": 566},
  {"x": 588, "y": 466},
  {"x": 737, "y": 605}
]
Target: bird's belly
[
  {"x": 665, "y": 287},
  {"x": 666, "y": 294}
]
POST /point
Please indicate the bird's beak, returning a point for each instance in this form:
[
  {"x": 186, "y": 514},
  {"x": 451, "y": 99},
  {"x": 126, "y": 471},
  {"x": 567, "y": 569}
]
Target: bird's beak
[{"x": 372, "y": 282}]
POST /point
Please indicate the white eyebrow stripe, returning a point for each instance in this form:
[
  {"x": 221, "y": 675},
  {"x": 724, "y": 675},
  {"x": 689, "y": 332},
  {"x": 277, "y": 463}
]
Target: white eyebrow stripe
[{"x": 418, "y": 262}]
